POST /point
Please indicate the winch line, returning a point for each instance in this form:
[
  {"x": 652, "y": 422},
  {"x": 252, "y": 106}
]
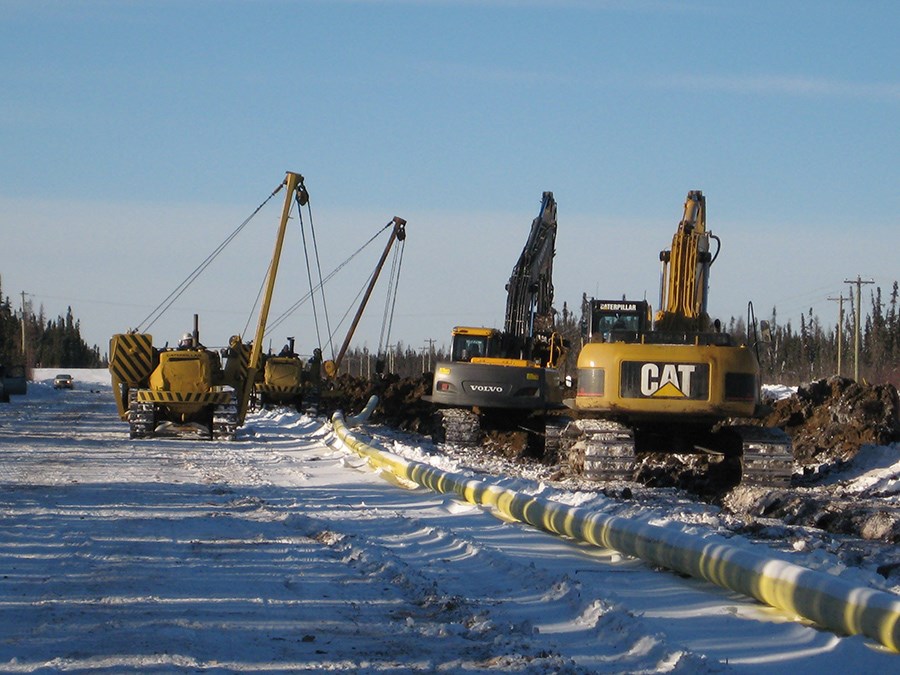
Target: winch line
[
  {"x": 162, "y": 307},
  {"x": 299, "y": 303}
]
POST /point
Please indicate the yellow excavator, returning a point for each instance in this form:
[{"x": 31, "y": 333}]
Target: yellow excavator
[
  {"x": 670, "y": 383},
  {"x": 190, "y": 390}
]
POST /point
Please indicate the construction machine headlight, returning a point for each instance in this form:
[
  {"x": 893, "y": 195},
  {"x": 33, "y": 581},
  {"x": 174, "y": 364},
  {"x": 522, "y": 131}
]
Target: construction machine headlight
[{"x": 591, "y": 381}]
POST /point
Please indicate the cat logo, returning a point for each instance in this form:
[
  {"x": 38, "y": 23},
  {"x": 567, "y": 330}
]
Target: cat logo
[
  {"x": 643, "y": 379},
  {"x": 667, "y": 380}
]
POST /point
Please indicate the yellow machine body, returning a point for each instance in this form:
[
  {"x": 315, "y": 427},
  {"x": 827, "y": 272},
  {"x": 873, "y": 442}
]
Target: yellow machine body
[
  {"x": 281, "y": 381},
  {"x": 640, "y": 381},
  {"x": 186, "y": 381},
  {"x": 187, "y": 390}
]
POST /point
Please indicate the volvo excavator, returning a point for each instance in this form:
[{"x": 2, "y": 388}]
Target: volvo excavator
[
  {"x": 670, "y": 383},
  {"x": 190, "y": 390},
  {"x": 507, "y": 378}
]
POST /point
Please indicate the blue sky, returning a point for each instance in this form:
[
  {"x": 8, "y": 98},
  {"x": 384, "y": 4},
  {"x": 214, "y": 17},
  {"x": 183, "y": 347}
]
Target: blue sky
[{"x": 137, "y": 135}]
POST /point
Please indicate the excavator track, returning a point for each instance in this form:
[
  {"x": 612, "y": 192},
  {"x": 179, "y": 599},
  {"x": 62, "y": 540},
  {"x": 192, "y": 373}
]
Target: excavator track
[
  {"x": 225, "y": 420},
  {"x": 553, "y": 431},
  {"x": 456, "y": 426},
  {"x": 600, "y": 450},
  {"x": 767, "y": 457}
]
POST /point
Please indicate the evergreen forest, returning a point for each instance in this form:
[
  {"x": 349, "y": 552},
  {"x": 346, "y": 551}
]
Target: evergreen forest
[
  {"x": 794, "y": 350},
  {"x": 31, "y": 339}
]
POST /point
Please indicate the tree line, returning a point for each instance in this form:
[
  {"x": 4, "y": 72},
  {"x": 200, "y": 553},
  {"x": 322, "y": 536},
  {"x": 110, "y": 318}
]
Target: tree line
[
  {"x": 791, "y": 352},
  {"x": 35, "y": 341}
]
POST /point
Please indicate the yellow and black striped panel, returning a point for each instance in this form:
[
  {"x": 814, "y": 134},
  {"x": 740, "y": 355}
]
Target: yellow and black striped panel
[
  {"x": 131, "y": 357},
  {"x": 237, "y": 363},
  {"x": 277, "y": 389},
  {"x": 206, "y": 398}
]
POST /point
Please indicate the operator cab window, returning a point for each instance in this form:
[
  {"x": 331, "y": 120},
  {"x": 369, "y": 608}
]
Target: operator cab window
[
  {"x": 605, "y": 324},
  {"x": 467, "y": 347}
]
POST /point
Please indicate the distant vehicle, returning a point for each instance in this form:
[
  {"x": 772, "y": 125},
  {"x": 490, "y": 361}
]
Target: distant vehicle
[{"x": 63, "y": 381}]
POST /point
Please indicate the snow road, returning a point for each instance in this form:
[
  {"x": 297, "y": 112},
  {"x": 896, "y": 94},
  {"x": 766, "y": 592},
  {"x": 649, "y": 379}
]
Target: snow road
[{"x": 282, "y": 552}]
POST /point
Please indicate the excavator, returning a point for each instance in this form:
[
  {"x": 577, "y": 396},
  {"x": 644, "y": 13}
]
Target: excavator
[
  {"x": 671, "y": 383},
  {"x": 190, "y": 390},
  {"x": 509, "y": 377}
]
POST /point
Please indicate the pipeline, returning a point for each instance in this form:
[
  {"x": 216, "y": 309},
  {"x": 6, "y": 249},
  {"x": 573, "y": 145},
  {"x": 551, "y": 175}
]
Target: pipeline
[
  {"x": 356, "y": 420},
  {"x": 830, "y": 602}
]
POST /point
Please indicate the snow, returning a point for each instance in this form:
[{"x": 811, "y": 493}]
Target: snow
[
  {"x": 776, "y": 392},
  {"x": 283, "y": 551}
]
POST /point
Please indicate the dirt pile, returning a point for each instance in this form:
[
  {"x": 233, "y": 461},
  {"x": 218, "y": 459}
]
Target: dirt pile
[
  {"x": 400, "y": 403},
  {"x": 829, "y": 421}
]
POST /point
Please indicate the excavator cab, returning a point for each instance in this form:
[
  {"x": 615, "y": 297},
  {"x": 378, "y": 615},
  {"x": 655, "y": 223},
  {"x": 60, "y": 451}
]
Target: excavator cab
[
  {"x": 616, "y": 321},
  {"x": 474, "y": 343}
]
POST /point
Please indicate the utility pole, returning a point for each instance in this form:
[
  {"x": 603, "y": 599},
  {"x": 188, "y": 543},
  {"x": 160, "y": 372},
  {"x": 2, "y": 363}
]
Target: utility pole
[
  {"x": 840, "y": 330},
  {"x": 858, "y": 283},
  {"x": 430, "y": 348}
]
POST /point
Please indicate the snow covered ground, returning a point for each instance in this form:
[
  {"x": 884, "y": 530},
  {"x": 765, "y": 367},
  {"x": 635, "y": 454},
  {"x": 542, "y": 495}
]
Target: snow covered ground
[{"x": 283, "y": 552}]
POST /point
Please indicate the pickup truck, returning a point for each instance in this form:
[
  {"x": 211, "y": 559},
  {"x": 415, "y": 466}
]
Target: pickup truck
[{"x": 63, "y": 381}]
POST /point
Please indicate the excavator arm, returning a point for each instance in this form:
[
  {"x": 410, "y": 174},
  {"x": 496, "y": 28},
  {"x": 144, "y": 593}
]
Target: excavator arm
[
  {"x": 684, "y": 272},
  {"x": 529, "y": 302}
]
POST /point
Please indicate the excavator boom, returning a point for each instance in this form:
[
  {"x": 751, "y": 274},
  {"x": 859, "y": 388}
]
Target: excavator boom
[{"x": 684, "y": 274}]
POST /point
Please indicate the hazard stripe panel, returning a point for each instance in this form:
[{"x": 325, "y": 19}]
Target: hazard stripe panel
[
  {"x": 212, "y": 397},
  {"x": 131, "y": 357}
]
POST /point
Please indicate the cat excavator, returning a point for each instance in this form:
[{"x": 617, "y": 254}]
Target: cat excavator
[
  {"x": 190, "y": 390},
  {"x": 507, "y": 378},
  {"x": 670, "y": 383}
]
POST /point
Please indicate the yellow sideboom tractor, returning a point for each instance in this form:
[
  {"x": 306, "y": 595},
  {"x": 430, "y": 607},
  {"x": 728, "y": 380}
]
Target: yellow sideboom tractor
[
  {"x": 190, "y": 390},
  {"x": 180, "y": 391}
]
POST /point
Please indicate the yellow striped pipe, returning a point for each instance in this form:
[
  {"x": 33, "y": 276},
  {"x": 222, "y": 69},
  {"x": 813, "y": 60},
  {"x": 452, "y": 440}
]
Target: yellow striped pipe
[{"x": 830, "y": 602}]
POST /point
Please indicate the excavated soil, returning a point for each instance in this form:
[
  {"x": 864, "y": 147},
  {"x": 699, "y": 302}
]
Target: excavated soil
[{"x": 830, "y": 422}]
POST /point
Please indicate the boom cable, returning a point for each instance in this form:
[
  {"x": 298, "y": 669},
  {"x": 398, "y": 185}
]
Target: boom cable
[
  {"x": 391, "y": 297},
  {"x": 162, "y": 307},
  {"x": 319, "y": 287}
]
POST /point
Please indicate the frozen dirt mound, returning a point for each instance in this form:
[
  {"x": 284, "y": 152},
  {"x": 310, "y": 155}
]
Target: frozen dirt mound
[
  {"x": 845, "y": 437},
  {"x": 400, "y": 403},
  {"x": 830, "y": 421}
]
